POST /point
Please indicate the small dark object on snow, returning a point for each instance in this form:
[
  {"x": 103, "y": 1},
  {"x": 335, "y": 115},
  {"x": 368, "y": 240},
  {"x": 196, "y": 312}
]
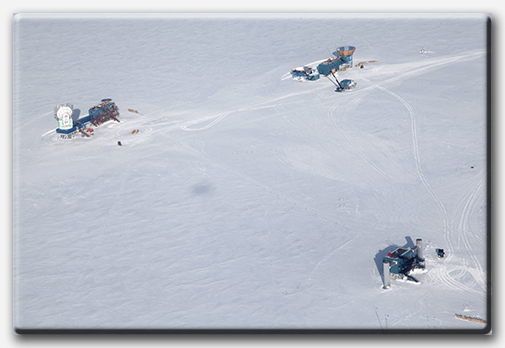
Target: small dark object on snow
[
  {"x": 362, "y": 66},
  {"x": 440, "y": 253},
  {"x": 119, "y": 143}
]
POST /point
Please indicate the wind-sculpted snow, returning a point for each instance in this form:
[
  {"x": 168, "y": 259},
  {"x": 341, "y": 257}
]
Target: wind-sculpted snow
[{"x": 247, "y": 199}]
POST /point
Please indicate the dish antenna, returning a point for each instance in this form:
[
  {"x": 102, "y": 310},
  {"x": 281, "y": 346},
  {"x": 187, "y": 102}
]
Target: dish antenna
[{"x": 63, "y": 114}]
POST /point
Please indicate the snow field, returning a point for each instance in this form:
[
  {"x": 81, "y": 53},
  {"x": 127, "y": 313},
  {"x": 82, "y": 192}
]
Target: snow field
[{"x": 248, "y": 200}]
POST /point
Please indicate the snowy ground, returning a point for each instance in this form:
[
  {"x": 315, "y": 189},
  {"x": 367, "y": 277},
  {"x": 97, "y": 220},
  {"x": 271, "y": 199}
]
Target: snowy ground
[{"x": 248, "y": 199}]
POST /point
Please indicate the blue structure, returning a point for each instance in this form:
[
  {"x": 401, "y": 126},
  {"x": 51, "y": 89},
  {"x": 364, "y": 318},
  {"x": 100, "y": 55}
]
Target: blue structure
[
  {"x": 103, "y": 112},
  {"x": 99, "y": 114},
  {"x": 343, "y": 59},
  {"x": 400, "y": 262},
  {"x": 328, "y": 66},
  {"x": 66, "y": 131},
  {"x": 348, "y": 84},
  {"x": 440, "y": 253}
]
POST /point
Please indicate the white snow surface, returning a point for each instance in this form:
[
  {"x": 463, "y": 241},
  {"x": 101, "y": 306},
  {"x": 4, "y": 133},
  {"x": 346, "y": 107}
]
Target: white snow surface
[{"x": 247, "y": 200}]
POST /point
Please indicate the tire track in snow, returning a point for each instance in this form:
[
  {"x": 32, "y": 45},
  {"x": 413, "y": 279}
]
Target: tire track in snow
[
  {"x": 445, "y": 277},
  {"x": 353, "y": 143},
  {"x": 463, "y": 228},
  {"x": 449, "y": 279},
  {"x": 190, "y": 123},
  {"x": 311, "y": 158},
  {"x": 448, "y": 274},
  {"x": 328, "y": 255},
  {"x": 421, "y": 67},
  {"x": 30, "y": 121},
  {"x": 223, "y": 165},
  {"x": 413, "y": 69},
  {"x": 476, "y": 195},
  {"x": 200, "y": 153},
  {"x": 415, "y": 144},
  {"x": 309, "y": 161}
]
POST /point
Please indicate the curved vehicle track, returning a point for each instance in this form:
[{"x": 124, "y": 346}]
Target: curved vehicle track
[
  {"x": 454, "y": 277},
  {"x": 417, "y": 160}
]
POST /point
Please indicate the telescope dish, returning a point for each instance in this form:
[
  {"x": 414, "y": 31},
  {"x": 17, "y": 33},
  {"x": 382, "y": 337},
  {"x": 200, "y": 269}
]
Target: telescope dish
[
  {"x": 344, "y": 51},
  {"x": 63, "y": 114}
]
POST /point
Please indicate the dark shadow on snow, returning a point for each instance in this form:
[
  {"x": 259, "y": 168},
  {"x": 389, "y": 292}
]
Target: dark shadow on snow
[
  {"x": 202, "y": 188},
  {"x": 410, "y": 243},
  {"x": 380, "y": 255},
  {"x": 76, "y": 114}
]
